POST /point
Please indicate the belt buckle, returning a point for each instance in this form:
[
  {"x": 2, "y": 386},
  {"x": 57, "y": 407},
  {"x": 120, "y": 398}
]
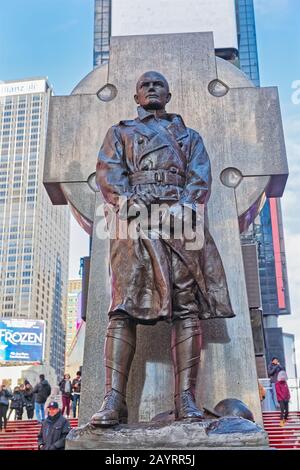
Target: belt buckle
[{"x": 159, "y": 177}]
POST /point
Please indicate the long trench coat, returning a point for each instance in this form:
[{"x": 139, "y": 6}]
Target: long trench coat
[{"x": 141, "y": 278}]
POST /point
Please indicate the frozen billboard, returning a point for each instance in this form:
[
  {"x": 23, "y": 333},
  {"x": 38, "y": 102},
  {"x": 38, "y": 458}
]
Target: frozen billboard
[
  {"x": 138, "y": 17},
  {"x": 21, "y": 341}
]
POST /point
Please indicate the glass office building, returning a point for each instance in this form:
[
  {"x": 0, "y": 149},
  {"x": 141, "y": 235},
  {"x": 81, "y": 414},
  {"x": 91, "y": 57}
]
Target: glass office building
[
  {"x": 34, "y": 234},
  {"x": 102, "y": 29},
  {"x": 267, "y": 231}
]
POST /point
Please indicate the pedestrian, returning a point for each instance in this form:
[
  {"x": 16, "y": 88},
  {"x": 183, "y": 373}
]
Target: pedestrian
[
  {"x": 65, "y": 386},
  {"x": 5, "y": 395},
  {"x": 29, "y": 399},
  {"x": 283, "y": 396},
  {"x": 42, "y": 390},
  {"x": 76, "y": 387},
  {"x": 273, "y": 370},
  {"x": 262, "y": 392},
  {"x": 17, "y": 404},
  {"x": 54, "y": 429}
]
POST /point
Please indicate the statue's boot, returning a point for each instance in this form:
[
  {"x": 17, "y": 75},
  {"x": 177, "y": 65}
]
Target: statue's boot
[
  {"x": 186, "y": 349},
  {"x": 119, "y": 351}
]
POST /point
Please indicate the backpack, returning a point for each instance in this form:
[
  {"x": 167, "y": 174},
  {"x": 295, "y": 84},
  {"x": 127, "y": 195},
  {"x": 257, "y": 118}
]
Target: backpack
[{"x": 46, "y": 390}]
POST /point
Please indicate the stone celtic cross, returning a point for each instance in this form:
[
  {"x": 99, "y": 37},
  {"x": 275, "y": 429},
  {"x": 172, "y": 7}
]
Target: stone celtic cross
[{"x": 242, "y": 130}]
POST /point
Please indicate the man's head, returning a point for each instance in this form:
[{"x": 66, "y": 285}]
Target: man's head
[
  {"x": 78, "y": 374},
  {"x": 53, "y": 408},
  {"x": 275, "y": 360},
  {"x": 42, "y": 377},
  {"x": 67, "y": 376},
  {"x": 152, "y": 91}
]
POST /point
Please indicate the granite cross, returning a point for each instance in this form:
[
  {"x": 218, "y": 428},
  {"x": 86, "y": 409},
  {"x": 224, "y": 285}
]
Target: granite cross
[{"x": 242, "y": 130}]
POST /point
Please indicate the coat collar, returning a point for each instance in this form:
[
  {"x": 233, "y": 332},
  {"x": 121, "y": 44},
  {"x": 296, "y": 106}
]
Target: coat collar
[{"x": 176, "y": 125}]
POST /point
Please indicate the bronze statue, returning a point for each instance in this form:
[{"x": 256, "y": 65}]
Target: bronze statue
[{"x": 156, "y": 159}]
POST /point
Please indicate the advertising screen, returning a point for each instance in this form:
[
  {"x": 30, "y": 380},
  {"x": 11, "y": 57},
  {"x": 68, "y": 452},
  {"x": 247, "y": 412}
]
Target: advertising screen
[{"x": 21, "y": 341}]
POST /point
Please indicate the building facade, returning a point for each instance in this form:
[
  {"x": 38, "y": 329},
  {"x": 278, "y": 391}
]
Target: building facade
[
  {"x": 34, "y": 234},
  {"x": 73, "y": 315},
  {"x": 267, "y": 230}
]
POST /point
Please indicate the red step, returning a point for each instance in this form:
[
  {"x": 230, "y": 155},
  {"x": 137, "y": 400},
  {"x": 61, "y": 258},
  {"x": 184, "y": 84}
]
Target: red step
[
  {"x": 286, "y": 437},
  {"x": 22, "y": 435}
]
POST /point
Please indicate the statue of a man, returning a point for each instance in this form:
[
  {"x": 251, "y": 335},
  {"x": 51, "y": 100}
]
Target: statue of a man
[{"x": 156, "y": 159}]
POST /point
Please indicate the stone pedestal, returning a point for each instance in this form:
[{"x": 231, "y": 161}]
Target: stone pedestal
[{"x": 228, "y": 432}]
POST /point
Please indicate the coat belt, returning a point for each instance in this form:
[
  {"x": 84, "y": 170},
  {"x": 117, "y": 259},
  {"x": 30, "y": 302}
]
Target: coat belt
[{"x": 156, "y": 177}]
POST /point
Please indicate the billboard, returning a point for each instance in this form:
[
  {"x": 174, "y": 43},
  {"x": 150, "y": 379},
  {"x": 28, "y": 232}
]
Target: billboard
[
  {"x": 176, "y": 16},
  {"x": 23, "y": 87},
  {"x": 21, "y": 341}
]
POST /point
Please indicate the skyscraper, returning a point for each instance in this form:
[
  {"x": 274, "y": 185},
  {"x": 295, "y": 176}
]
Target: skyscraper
[
  {"x": 73, "y": 310},
  {"x": 34, "y": 234},
  {"x": 267, "y": 231},
  {"x": 102, "y": 29}
]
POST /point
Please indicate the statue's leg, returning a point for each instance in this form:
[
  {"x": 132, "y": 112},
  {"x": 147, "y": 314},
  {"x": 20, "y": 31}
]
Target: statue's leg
[
  {"x": 118, "y": 354},
  {"x": 186, "y": 341}
]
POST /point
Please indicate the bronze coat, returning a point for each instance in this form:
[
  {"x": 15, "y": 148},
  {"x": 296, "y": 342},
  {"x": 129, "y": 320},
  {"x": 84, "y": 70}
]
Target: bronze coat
[{"x": 141, "y": 277}]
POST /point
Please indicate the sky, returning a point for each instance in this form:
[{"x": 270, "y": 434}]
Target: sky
[{"x": 54, "y": 38}]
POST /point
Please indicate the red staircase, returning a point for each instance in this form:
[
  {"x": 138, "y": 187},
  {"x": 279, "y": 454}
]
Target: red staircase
[
  {"x": 22, "y": 435},
  {"x": 287, "y": 437}
]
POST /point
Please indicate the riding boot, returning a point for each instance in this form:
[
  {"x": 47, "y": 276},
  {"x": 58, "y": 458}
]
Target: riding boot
[
  {"x": 186, "y": 349},
  {"x": 118, "y": 354}
]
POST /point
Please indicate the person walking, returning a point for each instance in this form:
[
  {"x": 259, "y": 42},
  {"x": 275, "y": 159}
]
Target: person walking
[
  {"x": 65, "y": 386},
  {"x": 54, "y": 429},
  {"x": 42, "y": 390},
  {"x": 273, "y": 370},
  {"x": 262, "y": 392},
  {"x": 29, "y": 399},
  {"x": 5, "y": 395},
  {"x": 283, "y": 396},
  {"x": 17, "y": 404},
  {"x": 76, "y": 387}
]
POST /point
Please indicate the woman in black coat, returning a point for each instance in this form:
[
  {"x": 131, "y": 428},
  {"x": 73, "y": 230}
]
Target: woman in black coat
[
  {"x": 5, "y": 395},
  {"x": 17, "y": 403},
  {"x": 29, "y": 399}
]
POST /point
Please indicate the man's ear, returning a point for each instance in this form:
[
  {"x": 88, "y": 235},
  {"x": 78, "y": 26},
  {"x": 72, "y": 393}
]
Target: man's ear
[
  {"x": 169, "y": 97},
  {"x": 136, "y": 99}
]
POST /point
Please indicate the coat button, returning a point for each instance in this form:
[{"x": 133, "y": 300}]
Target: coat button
[
  {"x": 181, "y": 144},
  {"x": 140, "y": 140}
]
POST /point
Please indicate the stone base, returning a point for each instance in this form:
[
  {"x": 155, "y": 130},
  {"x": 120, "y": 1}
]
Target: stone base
[{"x": 227, "y": 432}]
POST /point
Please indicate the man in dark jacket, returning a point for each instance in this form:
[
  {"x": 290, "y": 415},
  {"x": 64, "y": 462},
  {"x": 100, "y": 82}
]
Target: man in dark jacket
[
  {"x": 42, "y": 391},
  {"x": 54, "y": 429},
  {"x": 76, "y": 387}
]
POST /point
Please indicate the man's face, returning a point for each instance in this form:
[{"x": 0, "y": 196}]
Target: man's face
[
  {"x": 53, "y": 411},
  {"x": 152, "y": 91},
  {"x": 275, "y": 361}
]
